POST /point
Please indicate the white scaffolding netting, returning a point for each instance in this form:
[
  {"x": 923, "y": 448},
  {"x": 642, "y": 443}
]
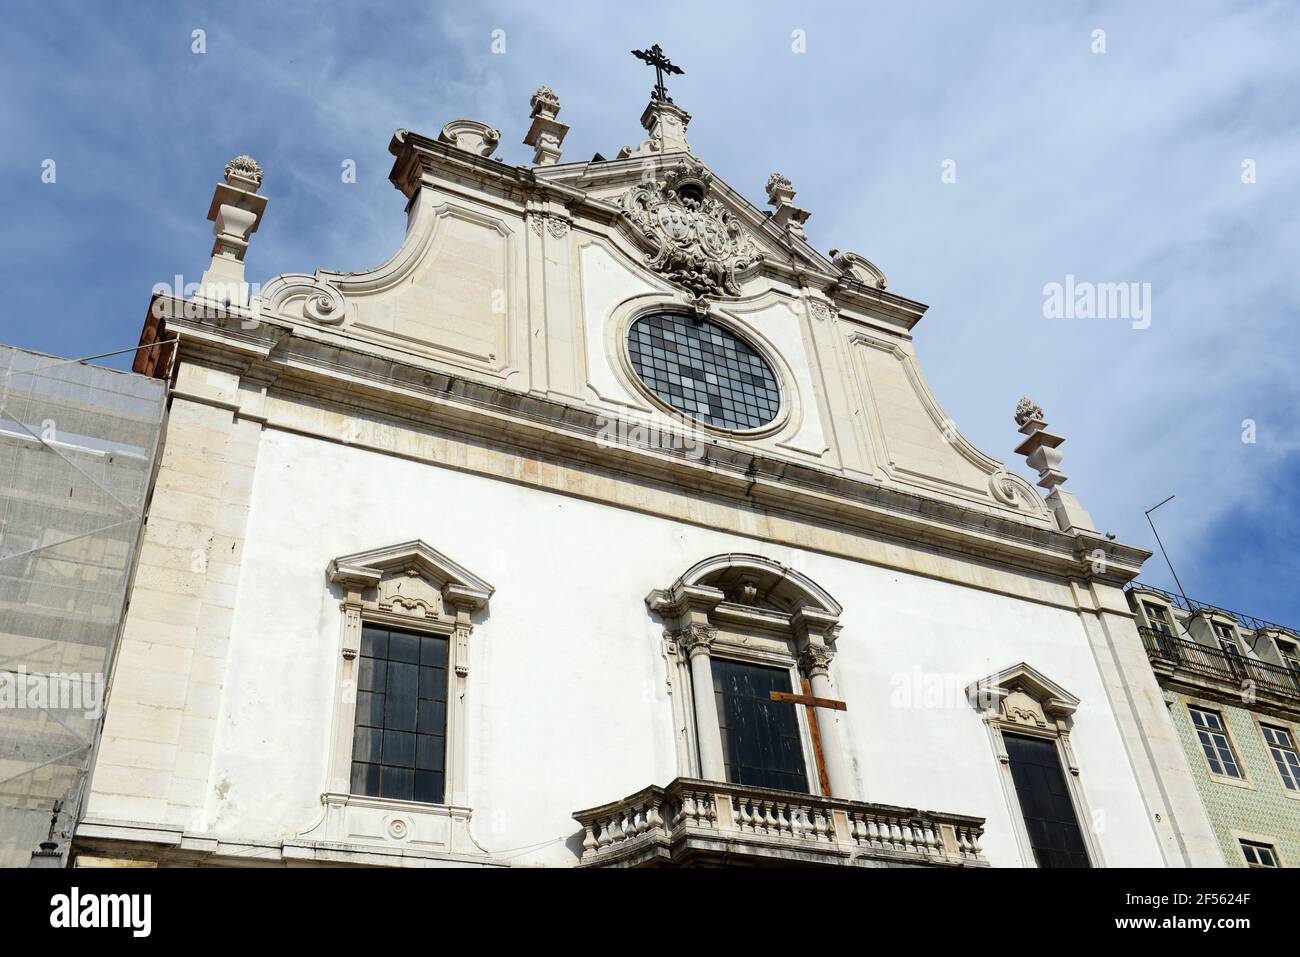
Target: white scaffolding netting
[{"x": 77, "y": 449}]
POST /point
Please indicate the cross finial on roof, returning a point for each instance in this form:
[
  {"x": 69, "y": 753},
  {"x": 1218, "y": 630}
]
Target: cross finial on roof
[{"x": 655, "y": 57}]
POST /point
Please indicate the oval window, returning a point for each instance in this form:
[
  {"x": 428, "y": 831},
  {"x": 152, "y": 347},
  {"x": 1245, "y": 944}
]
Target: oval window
[{"x": 704, "y": 371}]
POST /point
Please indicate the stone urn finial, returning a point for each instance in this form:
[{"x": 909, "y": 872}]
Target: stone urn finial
[
  {"x": 1042, "y": 451},
  {"x": 243, "y": 172},
  {"x": 1027, "y": 409},
  {"x": 545, "y": 103},
  {"x": 546, "y": 134},
  {"x": 779, "y": 189},
  {"x": 781, "y": 193},
  {"x": 1040, "y": 447}
]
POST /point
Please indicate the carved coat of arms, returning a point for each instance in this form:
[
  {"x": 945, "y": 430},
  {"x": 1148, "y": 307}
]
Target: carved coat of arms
[{"x": 695, "y": 241}]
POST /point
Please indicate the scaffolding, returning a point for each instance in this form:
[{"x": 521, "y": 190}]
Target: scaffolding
[{"x": 78, "y": 446}]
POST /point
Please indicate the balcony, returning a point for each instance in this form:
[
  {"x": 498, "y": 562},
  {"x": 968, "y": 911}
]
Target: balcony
[
  {"x": 1190, "y": 661},
  {"x": 705, "y": 822}
]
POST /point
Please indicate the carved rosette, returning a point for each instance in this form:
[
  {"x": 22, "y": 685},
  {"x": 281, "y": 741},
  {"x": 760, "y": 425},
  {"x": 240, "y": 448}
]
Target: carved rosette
[{"x": 695, "y": 241}]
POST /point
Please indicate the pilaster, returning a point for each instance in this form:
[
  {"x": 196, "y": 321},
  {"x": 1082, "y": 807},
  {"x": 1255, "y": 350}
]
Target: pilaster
[{"x": 162, "y": 718}]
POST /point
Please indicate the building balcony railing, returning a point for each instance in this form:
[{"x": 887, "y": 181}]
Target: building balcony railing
[
  {"x": 1191, "y": 607},
  {"x": 702, "y": 822},
  {"x": 1178, "y": 655}
]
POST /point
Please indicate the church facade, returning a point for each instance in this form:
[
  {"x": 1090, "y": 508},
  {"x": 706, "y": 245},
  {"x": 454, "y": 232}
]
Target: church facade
[{"x": 608, "y": 523}]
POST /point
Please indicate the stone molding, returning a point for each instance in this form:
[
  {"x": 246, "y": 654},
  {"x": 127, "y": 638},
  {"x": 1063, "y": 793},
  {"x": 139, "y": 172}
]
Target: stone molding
[
  {"x": 370, "y": 385},
  {"x": 163, "y": 845}
]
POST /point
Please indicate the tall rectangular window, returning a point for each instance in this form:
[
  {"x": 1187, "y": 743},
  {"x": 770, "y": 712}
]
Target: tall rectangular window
[
  {"x": 761, "y": 743},
  {"x": 1214, "y": 742},
  {"x": 1291, "y": 659},
  {"x": 1045, "y": 802},
  {"x": 1159, "y": 620},
  {"x": 1258, "y": 854},
  {"x": 1160, "y": 624},
  {"x": 1227, "y": 639},
  {"x": 399, "y": 742},
  {"x": 1282, "y": 747}
]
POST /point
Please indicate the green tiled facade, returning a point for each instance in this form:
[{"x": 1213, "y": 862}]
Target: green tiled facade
[{"x": 1263, "y": 808}]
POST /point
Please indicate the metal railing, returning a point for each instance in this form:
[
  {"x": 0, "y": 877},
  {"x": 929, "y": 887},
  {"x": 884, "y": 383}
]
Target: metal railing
[
  {"x": 1191, "y": 606},
  {"x": 1218, "y": 664}
]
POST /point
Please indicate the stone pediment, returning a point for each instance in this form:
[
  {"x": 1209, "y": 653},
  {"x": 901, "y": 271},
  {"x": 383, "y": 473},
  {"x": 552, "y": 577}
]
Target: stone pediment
[
  {"x": 412, "y": 578},
  {"x": 1023, "y": 695}
]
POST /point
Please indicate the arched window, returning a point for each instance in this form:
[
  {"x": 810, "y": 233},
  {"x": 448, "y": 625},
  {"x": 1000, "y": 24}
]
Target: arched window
[{"x": 749, "y": 644}]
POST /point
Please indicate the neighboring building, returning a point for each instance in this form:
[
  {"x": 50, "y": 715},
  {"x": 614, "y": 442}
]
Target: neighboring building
[
  {"x": 608, "y": 523},
  {"x": 1232, "y": 683},
  {"x": 78, "y": 445}
]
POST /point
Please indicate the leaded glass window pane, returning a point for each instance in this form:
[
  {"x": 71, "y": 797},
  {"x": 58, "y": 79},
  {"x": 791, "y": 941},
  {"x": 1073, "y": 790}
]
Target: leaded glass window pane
[
  {"x": 703, "y": 370},
  {"x": 399, "y": 742},
  {"x": 761, "y": 741}
]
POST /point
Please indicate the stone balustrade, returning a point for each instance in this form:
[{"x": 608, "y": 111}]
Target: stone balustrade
[{"x": 703, "y": 821}]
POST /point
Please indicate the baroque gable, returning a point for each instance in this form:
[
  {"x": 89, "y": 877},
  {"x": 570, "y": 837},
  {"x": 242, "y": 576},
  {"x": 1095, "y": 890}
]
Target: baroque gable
[{"x": 508, "y": 308}]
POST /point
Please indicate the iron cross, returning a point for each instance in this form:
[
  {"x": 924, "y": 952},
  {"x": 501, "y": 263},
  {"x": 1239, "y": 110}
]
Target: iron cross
[{"x": 655, "y": 58}]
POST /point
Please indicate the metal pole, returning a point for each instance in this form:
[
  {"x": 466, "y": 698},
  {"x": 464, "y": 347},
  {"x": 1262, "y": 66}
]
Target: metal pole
[{"x": 1186, "y": 604}]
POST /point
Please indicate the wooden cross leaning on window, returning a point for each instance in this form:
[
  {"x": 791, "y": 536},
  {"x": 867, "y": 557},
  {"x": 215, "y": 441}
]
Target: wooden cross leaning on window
[{"x": 812, "y": 703}]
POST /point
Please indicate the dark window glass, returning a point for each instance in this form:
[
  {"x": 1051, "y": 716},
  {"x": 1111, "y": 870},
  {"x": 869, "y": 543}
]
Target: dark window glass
[
  {"x": 1257, "y": 854},
  {"x": 399, "y": 742},
  {"x": 761, "y": 743},
  {"x": 701, "y": 369},
  {"x": 1045, "y": 802}
]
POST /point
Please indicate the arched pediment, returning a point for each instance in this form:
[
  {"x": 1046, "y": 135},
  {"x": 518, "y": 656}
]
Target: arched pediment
[{"x": 760, "y": 582}]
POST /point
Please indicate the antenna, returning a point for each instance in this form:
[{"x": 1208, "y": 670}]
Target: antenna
[{"x": 1186, "y": 604}]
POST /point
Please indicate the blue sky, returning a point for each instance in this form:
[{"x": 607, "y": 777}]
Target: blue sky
[{"x": 1122, "y": 166}]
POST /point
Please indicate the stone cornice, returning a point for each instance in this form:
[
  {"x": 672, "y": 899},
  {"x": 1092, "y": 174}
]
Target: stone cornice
[{"x": 299, "y": 364}]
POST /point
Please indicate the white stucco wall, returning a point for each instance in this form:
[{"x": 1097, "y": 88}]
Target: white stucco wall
[{"x": 567, "y": 706}]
